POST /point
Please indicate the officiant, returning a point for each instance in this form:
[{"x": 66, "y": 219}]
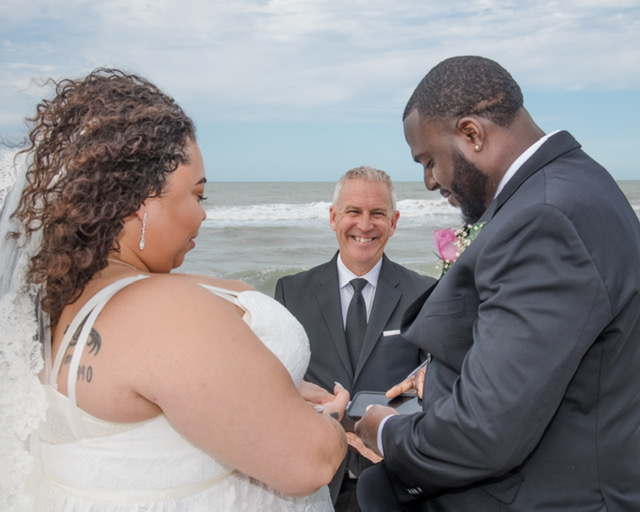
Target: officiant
[{"x": 351, "y": 307}]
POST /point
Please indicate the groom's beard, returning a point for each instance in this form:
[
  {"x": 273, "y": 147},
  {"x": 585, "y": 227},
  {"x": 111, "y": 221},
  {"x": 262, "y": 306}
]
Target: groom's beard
[{"x": 468, "y": 187}]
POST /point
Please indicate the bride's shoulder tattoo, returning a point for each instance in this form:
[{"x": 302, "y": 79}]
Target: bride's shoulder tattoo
[{"x": 94, "y": 344}]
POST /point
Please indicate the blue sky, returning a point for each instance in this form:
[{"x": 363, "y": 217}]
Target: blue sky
[{"x": 303, "y": 90}]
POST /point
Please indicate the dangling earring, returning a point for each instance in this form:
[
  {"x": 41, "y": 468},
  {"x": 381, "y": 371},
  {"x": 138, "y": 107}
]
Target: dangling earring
[{"x": 144, "y": 228}]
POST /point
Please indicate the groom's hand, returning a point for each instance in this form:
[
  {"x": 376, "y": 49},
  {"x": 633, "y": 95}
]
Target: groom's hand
[{"x": 367, "y": 427}]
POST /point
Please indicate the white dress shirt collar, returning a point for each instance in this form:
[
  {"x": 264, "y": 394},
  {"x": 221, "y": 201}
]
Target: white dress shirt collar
[
  {"x": 517, "y": 163},
  {"x": 345, "y": 275}
]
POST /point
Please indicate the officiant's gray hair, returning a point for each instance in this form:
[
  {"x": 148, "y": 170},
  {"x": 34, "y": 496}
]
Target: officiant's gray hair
[{"x": 369, "y": 174}]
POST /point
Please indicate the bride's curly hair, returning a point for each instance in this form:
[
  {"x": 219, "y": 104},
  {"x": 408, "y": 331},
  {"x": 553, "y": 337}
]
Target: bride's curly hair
[{"x": 98, "y": 150}]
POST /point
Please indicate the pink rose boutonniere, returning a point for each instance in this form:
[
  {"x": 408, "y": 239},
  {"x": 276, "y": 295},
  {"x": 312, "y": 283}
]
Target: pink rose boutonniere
[{"x": 452, "y": 242}]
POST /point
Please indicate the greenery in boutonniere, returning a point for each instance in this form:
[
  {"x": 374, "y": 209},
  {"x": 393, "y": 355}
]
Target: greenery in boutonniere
[{"x": 452, "y": 242}]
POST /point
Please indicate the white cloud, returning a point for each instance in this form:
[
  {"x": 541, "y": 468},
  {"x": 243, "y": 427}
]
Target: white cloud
[{"x": 303, "y": 58}]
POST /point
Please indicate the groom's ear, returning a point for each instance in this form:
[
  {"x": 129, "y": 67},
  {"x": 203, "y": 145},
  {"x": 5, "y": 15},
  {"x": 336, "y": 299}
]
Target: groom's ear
[{"x": 472, "y": 132}]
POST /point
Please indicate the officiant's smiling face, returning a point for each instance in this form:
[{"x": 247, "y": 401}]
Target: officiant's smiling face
[{"x": 364, "y": 220}]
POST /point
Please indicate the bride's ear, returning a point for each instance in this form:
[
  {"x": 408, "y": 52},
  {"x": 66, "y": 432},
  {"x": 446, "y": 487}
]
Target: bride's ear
[
  {"x": 140, "y": 211},
  {"x": 136, "y": 217}
]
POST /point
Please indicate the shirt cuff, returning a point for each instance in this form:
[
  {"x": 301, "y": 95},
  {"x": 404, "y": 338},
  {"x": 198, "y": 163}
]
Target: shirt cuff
[{"x": 379, "y": 437}]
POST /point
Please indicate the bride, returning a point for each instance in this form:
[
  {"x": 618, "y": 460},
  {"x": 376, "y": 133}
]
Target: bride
[{"x": 163, "y": 392}]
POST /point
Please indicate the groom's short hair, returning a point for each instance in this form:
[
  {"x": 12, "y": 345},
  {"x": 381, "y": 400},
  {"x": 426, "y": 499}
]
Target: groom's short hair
[{"x": 468, "y": 85}]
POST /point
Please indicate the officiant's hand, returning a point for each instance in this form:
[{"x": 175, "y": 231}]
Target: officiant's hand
[
  {"x": 367, "y": 427},
  {"x": 415, "y": 383}
]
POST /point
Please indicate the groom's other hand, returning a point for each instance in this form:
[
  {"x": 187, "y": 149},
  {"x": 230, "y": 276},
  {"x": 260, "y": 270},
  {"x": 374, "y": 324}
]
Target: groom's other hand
[{"x": 367, "y": 427}]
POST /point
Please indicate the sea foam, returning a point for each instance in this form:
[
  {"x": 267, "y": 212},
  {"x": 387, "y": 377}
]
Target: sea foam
[{"x": 412, "y": 212}]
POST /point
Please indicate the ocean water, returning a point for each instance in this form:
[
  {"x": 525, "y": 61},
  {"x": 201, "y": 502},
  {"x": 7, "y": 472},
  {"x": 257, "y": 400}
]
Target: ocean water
[{"x": 259, "y": 232}]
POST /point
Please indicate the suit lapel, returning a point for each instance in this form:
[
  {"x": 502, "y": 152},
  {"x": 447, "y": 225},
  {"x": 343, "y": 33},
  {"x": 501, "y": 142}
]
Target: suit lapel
[
  {"x": 384, "y": 303},
  {"x": 327, "y": 294}
]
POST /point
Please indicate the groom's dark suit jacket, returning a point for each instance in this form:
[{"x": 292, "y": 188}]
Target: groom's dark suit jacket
[
  {"x": 532, "y": 401},
  {"x": 314, "y": 299}
]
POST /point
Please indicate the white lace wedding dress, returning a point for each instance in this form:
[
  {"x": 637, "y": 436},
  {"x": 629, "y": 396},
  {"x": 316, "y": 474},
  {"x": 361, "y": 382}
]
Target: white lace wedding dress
[{"x": 90, "y": 465}]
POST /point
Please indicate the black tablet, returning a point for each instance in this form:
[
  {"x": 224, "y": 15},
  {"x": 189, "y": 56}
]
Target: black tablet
[{"x": 404, "y": 404}]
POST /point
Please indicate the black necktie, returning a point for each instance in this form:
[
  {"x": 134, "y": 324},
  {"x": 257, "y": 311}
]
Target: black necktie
[{"x": 356, "y": 321}]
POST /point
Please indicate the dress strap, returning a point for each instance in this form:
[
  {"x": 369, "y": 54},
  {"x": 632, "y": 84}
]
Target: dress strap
[
  {"x": 85, "y": 318},
  {"x": 229, "y": 295},
  {"x": 102, "y": 296}
]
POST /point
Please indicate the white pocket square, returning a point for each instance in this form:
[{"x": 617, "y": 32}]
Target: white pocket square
[{"x": 391, "y": 333}]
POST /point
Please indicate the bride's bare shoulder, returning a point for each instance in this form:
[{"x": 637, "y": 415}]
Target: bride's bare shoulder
[
  {"x": 227, "y": 284},
  {"x": 160, "y": 290}
]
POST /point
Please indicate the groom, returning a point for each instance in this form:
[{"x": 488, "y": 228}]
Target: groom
[{"x": 532, "y": 398}]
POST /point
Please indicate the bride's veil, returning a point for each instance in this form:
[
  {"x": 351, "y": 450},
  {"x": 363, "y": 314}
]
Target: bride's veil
[{"x": 23, "y": 337}]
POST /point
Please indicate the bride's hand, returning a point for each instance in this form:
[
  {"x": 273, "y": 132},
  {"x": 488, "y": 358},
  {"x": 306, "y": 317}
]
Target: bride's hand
[
  {"x": 336, "y": 407},
  {"x": 313, "y": 393},
  {"x": 323, "y": 401}
]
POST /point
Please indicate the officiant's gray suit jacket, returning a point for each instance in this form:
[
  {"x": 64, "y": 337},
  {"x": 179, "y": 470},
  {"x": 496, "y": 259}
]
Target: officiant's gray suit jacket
[
  {"x": 313, "y": 297},
  {"x": 532, "y": 401}
]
